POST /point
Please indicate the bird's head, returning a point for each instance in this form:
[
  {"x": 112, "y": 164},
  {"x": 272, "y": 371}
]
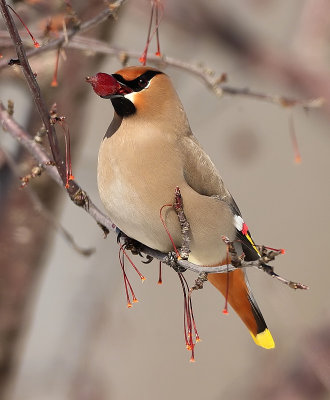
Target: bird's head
[{"x": 143, "y": 92}]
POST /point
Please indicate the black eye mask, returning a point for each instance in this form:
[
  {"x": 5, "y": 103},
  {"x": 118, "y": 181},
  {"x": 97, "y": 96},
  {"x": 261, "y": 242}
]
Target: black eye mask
[{"x": 138, "y": 83}]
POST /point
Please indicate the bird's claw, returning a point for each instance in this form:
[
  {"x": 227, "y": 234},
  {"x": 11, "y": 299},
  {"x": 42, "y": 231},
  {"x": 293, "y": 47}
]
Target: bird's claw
[{"x": 172, "y": 261}]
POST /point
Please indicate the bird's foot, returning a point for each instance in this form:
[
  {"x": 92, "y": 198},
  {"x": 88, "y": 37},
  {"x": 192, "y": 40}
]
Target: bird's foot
[
  {"x": 133, "y": 246},
  {"x": 172, "y": 261}
]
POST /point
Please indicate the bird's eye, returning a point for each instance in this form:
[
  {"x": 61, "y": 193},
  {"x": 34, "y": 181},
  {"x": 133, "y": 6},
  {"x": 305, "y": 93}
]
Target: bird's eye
[{"x": 142, "y": 82}]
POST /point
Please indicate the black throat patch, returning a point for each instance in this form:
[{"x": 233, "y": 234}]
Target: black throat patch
[{"x": 123, "y": 107}]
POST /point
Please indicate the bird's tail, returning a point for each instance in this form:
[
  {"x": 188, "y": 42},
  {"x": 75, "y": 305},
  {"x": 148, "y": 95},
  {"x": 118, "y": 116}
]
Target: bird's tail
[{"x": 242, "y": 301}]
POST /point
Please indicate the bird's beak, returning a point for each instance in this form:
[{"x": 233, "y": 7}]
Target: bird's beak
[{"x": 107, "y": 86}]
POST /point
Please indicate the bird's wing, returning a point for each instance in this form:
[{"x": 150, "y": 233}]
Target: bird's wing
[{"x": 201, "y": 175}]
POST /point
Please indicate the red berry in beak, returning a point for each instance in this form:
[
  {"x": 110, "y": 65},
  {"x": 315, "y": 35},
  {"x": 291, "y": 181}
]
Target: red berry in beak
[{"x": 104, "y": 85}]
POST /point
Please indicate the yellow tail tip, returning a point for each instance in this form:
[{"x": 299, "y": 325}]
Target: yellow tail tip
[{"x": 264, "y": 339}]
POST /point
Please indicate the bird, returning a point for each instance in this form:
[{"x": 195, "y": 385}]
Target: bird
[{"x": 148, "y": 151}]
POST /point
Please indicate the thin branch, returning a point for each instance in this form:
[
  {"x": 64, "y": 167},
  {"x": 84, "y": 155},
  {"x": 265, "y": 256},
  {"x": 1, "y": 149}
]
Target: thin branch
[
  {"x": 46, "y": 214},
  {"x": 267, "y": 254},
  {"x": 72, "y": 188},
  {"x": 40, "y": 155},
  {"x": 213, "y": 82},
  {"x": 70, "y": 33},
  {"x": 34, "y": 87},
  {"x": 24, "y": 138},
  {"x": 208, "y": 76},
  {"x": 77, "y": 195}
]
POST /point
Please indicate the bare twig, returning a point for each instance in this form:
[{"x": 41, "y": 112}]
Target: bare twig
[
  {"x": 266, "y": 255},
  {"x": 77, "y": 195},
  {"x": 70, "y": 33},
  {"x": 35, "y": 171},
  {"x": 208, "y": 76},
  {"x": 199, "y": 282},
  {"x": 23, "y": 137},
  {"x": 39, "y": 206},
  {"x": 34, "y": 87},
  {"x": 72, "y": 188},
  {"x": 40, "y": 155}
]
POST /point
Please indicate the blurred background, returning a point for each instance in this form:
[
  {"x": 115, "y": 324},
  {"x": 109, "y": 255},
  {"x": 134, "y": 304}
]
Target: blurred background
[{"x": 65, "y": 330}]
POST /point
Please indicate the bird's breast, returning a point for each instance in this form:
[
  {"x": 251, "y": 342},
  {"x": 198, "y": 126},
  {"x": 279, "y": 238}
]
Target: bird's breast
[{"x": 135, "y": 180}]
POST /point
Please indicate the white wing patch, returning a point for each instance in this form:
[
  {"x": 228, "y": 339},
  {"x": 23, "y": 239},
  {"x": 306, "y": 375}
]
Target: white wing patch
[{"x": 238, "y": 222}]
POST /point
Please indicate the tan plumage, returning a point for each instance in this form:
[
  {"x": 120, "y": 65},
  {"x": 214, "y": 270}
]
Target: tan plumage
[{"x": 148, "y": 150}]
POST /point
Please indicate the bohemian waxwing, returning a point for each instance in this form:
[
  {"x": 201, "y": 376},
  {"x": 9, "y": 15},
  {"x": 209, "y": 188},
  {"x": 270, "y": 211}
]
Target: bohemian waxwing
[{"x": 149, "y": 150}]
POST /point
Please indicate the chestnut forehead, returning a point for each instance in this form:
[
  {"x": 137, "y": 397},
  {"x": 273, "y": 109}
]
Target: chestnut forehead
[{"x": 131, "y": 73}]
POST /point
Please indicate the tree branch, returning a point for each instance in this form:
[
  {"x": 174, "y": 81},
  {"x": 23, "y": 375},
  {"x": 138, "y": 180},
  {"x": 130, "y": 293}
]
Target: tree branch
[
  {"x": 208, "y": 76},
  {"x": 213, "y": 82},
  {"x": 70, "y": 33},
  {"x": 75, "y": 192},
  {"x": 77, "y": 195},
  {"x": 72, "y": 188},
  {"x": 34, "y": 87},
  {"x": 46, "y": 214},
  {"x": 40, "y": 155}
]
